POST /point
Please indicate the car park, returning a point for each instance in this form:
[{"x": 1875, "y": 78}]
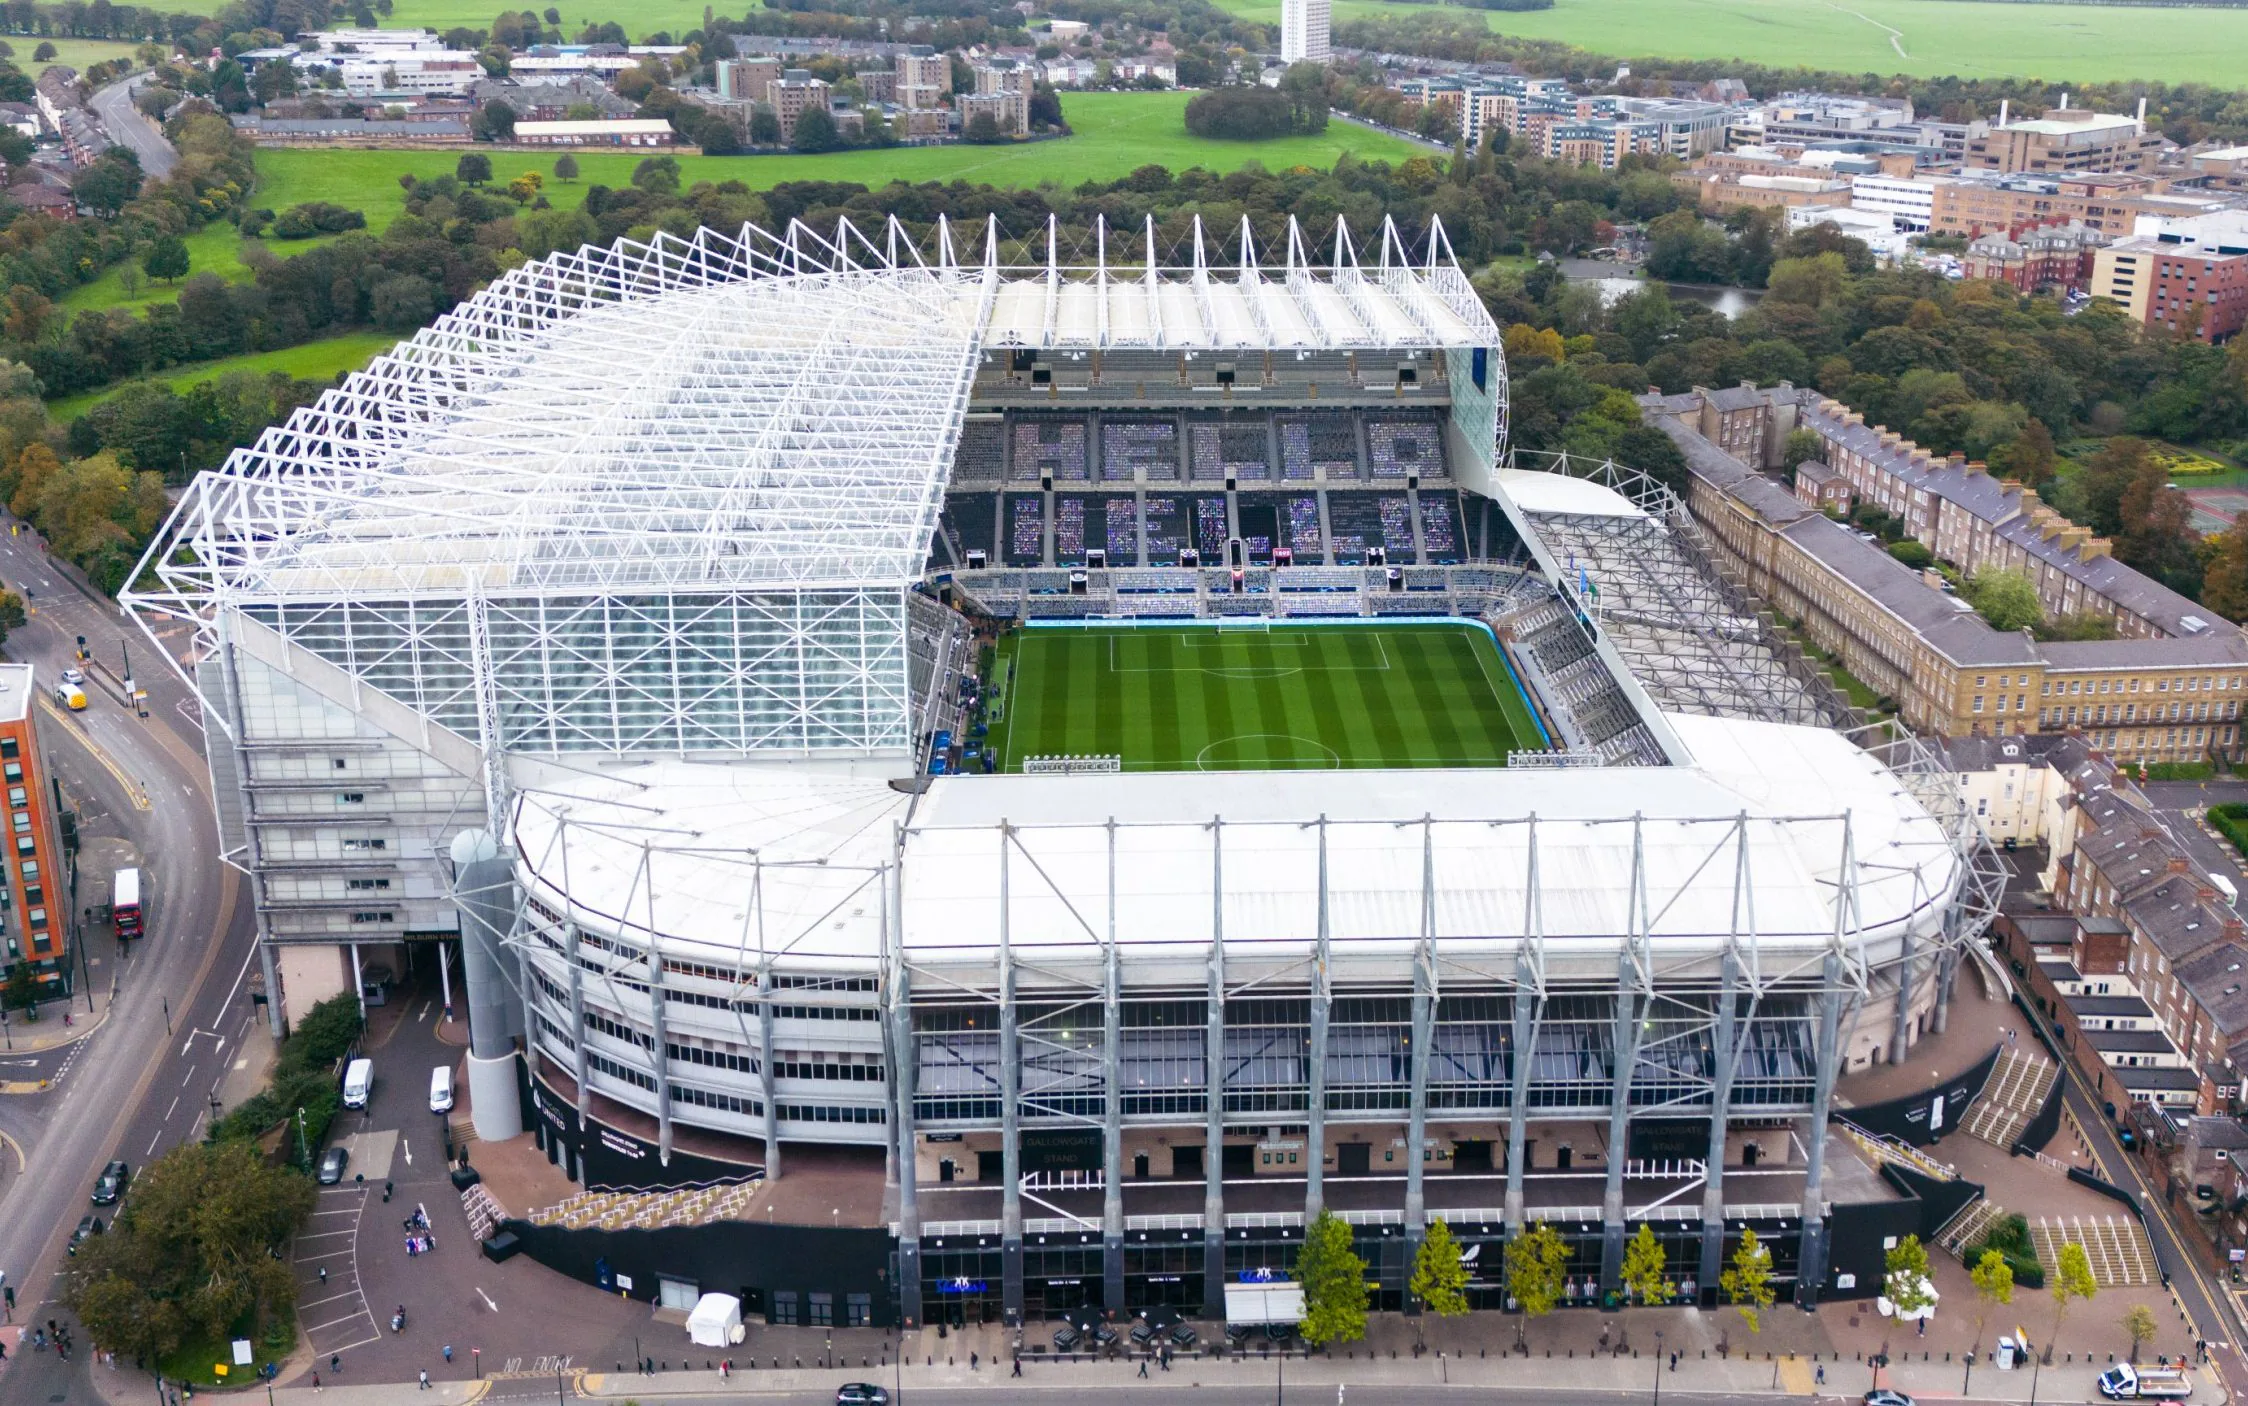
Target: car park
[
  {"x": 111, "y": 1184},
  {"x": 332, "y": 1164}
]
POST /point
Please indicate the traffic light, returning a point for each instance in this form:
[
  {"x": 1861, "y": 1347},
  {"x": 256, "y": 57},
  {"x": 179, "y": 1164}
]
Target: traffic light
[{"x": 81, "y": 649}]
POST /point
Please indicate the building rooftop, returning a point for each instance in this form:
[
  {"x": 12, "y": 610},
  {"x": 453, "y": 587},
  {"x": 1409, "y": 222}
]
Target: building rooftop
[{"x": 15, "y": 692}]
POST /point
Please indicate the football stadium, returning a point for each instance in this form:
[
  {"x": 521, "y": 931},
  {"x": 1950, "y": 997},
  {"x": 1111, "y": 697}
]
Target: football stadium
[{"x": 1054, "y": 757}]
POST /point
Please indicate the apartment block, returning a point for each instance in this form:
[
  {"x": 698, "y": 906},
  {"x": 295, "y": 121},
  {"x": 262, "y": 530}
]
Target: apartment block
[
  {"x": 924, "y": 77},
  {"x": 793, "y": 94},
  {"x": 2170, "y": 688},
  {"x": 1976, "y": 203},
  {"x": 746, "y": 80},
  {"x": 2039, "y": 260},
  {"x": 34, "y": 924}
]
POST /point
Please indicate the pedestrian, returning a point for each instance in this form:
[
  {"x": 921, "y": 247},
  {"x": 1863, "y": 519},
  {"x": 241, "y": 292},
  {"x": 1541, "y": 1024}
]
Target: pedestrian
[
  {"x": 1674, "y": 1362},
  {"x": 323, "y": 1276},
  {"x": 448, "y": 1352},
  {"x": 971, "y": 1362},
  {"x": 425, "y": 1379},
  {"x": 335, "y": 1364},
  {"x": 316, "y": 1381},
  {"x": 1165, "y": 1359},
  {"x": 1143, "y": 1369},
  {"x": 1821, "y": 1374},
  {"x": 1018, "y": 1368}
]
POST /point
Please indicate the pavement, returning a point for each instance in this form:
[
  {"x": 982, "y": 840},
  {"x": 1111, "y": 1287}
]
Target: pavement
[{"x": 129, "y": 127}]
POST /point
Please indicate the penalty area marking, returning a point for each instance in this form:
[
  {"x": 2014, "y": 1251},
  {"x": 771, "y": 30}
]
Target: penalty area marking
[
  {"x": 1247, "y": 671},
  {"x": 1333, "y": 760}
]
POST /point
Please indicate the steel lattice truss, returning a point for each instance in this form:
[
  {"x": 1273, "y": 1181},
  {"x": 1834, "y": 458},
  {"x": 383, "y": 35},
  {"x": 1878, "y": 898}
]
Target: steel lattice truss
[
  {"x": 1697, "y": 643},
  {"x": 673, "y": 494}
]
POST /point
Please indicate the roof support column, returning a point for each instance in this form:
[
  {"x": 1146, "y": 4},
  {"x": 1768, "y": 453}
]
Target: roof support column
[
  {"x": 660, "y": 1055},
  {"x": 1112, "y": 1106},
  {"x": 577, "y": 1041},
  {"x": 1812, "y": 1259},
  {"x": 1518, "y": 1101},
  {"x": 1900, "y": 1030},
  {"x": 1213, "y": 1109},
  {"x": 1724, "y": 1060},
  {"x": 1625, "y": 1039},
  {"x": 1417, "y": 1056},
  {"x": 902, "y": 1065},
  {"x": 765, "y": 1074},
  {"x": 1010, "y": 1110},
  {"x": 1527, "y": 985},
  {"x": 1315, "y": 1071}
]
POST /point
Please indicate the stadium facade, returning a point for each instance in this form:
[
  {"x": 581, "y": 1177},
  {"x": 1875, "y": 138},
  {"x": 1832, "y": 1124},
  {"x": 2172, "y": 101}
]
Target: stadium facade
[{"x": 604, "y": 629}]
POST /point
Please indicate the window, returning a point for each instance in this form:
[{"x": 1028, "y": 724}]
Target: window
[
  {"x": 18, "y": 797},
  {"x": 823, "y": 1311},
  {"x": 370, "y": 917},
  {"x": 351, "y": 798},
  {"x": 364, "y": 846},
  {"x": 783, "y": 1312},
  {"x": 364, "y": 884},
  {"x": 35, "y": 894},
  {"x": 10, "y": 748},
  {"x": 858, "y": 1309}
]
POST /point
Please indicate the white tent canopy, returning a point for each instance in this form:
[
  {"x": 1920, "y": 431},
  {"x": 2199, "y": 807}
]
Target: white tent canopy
[
  {"x": 716, "y": 1321},
  {"x": 1254, "y": 1305}
]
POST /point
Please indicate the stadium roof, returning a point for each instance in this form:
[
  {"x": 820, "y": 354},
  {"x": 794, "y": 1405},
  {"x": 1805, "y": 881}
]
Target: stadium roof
[
  {"x": 752, "y": 412},
  {"x": 738, "y": 862}
]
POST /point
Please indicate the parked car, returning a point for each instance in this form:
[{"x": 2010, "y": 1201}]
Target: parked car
[
  {"x": 861, "y": 1394},
  {"x": 88, "y": 1228},
  {"x": 111, "y": 1184},
  {"x": 332, "y": 1164},
  {"x": 1882, "y": 1396}
]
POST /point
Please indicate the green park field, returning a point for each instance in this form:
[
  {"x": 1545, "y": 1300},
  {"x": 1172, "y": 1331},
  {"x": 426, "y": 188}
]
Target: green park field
[
  {"x": 314, "y": 361},
  {"x": 1260, "y": 698},
  {"x": 1931, "y": 38}
]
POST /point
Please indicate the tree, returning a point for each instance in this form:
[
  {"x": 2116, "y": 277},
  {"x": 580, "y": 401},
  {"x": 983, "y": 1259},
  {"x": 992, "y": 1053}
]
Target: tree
[
  {"x": 658, "y": 175},
  {"x": 1645, "y": 1276},
  {"x": 45, "y": 53},
  {"x": 494, "y": 122},
  {"x": 1536, "y": 1260},
  {"x": 22, "y": 988},
  {"x": 565, "y": 168},
  {"x": 2224, "y": 583},
  {"x": 109, "y": 183},
  {"x": 196, "y": 1253},
  {"x": 2030, "y": 456},
  {"x": 1800, "y": 447},
  {"x": 167, "y": 259},
  {"x": 2005, "y": 598},
  {"x": 1994, "y": 1287},
  {"x": 1906, "y": 1286},
  {"x": 2072, "y": 1280},
  {"x": 1334, "y": 1282},
  {"x": 2138, "y": 1321},
  {"x": 718, "y": 136},
  {"x": 473, "y": 169},
  {"x": 525, "y": 188},
  {"x": 764, "y": 126},
  {"x": 1439, "y": 1275},
  {"x": 815, "y": 131},
  {"x": 982, "y": 130},
  {"x": 1747, "y": 1282}
]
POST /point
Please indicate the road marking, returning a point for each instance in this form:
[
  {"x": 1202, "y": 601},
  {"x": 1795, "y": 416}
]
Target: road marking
[
  {"x": 422, "y": 1014},
  {"x": 133, "y": 791},
  {"x": 169, "y": 1111},
  {"x": 326, "y": 1235},
  {"x": 190, "y": 1074},
  {"x": 156, "y": 1138},
  {"x": 408, "y": 1148}
]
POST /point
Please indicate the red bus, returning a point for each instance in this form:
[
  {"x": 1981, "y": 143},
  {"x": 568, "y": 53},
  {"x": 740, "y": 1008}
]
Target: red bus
[{"x": 125, "y": 904}]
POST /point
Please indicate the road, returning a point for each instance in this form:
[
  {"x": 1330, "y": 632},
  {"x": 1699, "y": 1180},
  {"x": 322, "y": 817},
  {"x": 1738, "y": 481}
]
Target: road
[
  {"x": 1398, "y": 132},
  {"x": 127, "y": 127},
  {"x": 2183, "y": 803},
  {"x": 135, "y": 1087}
]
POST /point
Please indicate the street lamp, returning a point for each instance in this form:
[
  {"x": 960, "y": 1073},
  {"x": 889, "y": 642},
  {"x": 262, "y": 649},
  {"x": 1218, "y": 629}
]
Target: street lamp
[
  {"x": 1658, "y": 1367},
  {"x": 1969, "y": 1373},
  {"x": 2037, "y": 1364}
]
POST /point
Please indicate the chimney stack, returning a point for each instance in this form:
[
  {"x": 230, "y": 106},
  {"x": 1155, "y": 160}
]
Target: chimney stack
[
  {"x": 2004, "y": 104},
  {"x": 2064, "y": 100},
  {"x": 2142, "y": 114}
]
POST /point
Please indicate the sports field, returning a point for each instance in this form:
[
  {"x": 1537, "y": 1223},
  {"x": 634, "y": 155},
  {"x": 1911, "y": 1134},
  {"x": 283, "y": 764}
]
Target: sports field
[
  {"x": 1260, "y": 698},
  {"x": 1930, "y": 38}
]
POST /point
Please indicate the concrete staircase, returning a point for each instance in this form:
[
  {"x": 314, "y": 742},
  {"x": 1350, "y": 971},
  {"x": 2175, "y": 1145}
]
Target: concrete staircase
[
  {"x": 651, "y": 1210},
  {"x": 1888, "y": 1149},
  {"x": 1968, "y": 1228},
  {"x": 2115, "y": 1245},
  {"x": 2017, "y": 1089}
]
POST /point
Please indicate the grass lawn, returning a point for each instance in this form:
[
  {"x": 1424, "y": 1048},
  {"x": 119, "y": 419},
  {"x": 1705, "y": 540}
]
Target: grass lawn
[
  {"x": 80, "y": 54},
  {"x": 314, "y": 361},
  {"x": 1933, "y": 37},
  {"x": 1115, "y": 134},
  {"x": 1252, "y": 698}
]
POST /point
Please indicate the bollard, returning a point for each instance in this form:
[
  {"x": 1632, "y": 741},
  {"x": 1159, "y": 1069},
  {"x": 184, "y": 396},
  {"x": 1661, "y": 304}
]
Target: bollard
[
  {"x": 1481, "y": 1352},
  {"x": 1572, "y": 1352}
]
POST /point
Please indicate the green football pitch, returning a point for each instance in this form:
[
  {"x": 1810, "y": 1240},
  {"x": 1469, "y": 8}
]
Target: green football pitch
[{"x": 1258, "y": 698}]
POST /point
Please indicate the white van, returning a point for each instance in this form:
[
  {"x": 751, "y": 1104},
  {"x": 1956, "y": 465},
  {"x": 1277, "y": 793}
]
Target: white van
[
  {"x": 441, "y": 1089},
  {"x": 358, "y": 1082}
]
